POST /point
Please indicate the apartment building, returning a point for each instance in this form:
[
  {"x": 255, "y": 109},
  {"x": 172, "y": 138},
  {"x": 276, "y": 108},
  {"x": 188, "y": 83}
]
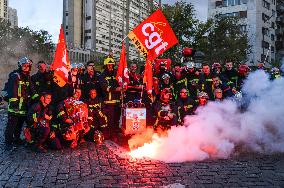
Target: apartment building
[
  {"x": 258, "y": 18},
  {"x": 99, "y": 26}
]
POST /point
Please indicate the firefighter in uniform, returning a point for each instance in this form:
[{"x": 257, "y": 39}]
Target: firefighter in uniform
[
  {"x": 19, "y": 91},
  {"x": 39, "y": 118},
  {"x": 96, "y": 117},
  {"x": 165, "y": 111},
  {"x": 230, "y": 75},
  {"x": 74, "y": 80},
  {"x": 243, "y": 71},
  {"x": 134, "y": 87},
  {"x": 275, "y": 73},
  {"x": 202, "y": 99},
  {"x": 179, "y": 80},
  {"x": 112, "y": 92},
  {"x": 71, "y": 136},
  {"x": 41, "y": 81},
  {"x": 206, "y": 81},
  {"x": 218, "y": 84},
  {"x": 192, "y": 79},
  {"x": 91, "y": 80},
  {"x": 185, "y": 105},
  {"x": 165, "y": 82}
]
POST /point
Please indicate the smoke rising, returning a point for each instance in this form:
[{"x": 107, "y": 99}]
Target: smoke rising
[{"x": 220, "y": 130}]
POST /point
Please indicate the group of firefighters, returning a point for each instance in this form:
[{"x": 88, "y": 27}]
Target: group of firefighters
[{"x": 49, "y": 111}]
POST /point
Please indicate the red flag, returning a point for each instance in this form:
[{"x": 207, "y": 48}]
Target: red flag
[
  {"x": 61, "y": 63},
  {"x": 122, "y": 71},
  {"x": 153, "y": 36},
  {"x": 148, "y": 75}
]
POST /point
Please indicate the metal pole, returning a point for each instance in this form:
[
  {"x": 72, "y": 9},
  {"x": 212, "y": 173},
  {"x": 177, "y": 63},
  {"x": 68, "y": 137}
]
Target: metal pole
[{"x": 127, "y": 27}]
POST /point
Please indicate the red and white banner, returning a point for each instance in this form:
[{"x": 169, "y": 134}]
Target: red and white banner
[
  {"x": 61, "y": 63},
  {"x": 153, "y": 36},
  {"x": 122, "y": 71}
]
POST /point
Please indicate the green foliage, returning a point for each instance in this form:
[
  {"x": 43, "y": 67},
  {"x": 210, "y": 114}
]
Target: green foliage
[
  {"x": 221, "y": 39},
  {"x": 18, "y": 42},
  {"x": 181, "y": 17}
]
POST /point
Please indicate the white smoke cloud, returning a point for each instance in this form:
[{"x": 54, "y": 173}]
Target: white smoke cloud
[{"x": 220, "y": 130}]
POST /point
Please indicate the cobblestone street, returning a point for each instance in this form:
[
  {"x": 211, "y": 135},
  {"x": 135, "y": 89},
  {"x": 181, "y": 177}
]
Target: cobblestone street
[{"x": 107, "y": 165}]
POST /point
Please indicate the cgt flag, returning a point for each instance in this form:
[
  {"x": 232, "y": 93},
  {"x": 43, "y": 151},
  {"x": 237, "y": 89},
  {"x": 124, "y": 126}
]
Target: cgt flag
[
  {"x": 122, "y": 71},
  {"x": 153, "y": 36},
  {"x": 61, "y": 63}
]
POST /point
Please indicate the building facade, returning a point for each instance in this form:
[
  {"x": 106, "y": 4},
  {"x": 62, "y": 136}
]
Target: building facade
[
  {"x": 258, "y": 18},
  {"x": 280, "y": 30},
  {"x": 12, "y": 17},
  {"x": 4, "y": 9},
  {"x": 100, "y": 26}
]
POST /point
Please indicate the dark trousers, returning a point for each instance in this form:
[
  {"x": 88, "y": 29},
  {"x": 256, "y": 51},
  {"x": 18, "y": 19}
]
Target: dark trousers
[
  {"x": 42, "y": 135},
  {"x": 113, "y": 114},
  {"x": 14, "y": 127}
]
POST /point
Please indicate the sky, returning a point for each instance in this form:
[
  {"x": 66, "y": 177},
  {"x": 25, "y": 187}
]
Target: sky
[{"x": 47, "y": 14}]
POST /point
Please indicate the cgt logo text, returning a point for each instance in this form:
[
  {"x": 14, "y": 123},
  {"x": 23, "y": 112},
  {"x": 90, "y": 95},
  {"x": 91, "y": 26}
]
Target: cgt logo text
[{"x": 153, "y": 39}]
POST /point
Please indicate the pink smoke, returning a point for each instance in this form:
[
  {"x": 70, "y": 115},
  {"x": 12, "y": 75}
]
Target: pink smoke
[{"x": 220, "y": 130}]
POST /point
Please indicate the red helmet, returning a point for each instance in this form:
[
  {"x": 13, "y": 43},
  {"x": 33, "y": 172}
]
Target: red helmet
[
  {"x": 164, "y": 92},
  {"x": 216, "y": 65},
  {"x": 243, "y": 68},
  {"x": 187, "y": 52}
]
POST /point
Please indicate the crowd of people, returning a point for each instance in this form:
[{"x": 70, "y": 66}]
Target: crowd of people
[{"x": 47, "y": 114}]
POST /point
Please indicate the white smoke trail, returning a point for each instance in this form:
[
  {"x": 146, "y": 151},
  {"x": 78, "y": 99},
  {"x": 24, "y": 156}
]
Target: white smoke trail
[{"x": 220, "y": 129}]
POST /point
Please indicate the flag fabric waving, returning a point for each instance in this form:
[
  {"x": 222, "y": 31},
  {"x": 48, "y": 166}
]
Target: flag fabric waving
[
  {"x": 61, "y": 63},
  {"x": 148, "y": 75},
  {"x": 153, "y": 36},
  {"x": 122, "y": 71}
]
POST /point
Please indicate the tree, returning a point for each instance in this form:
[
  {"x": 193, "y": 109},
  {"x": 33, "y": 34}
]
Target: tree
[
  {"x": 181, "y": 17},
  {"x": 18, "y": 42},
  {"x": 222, "y": 39}
]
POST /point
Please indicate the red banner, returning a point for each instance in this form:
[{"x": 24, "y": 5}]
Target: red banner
[
  {"x": 122, "y": 71},
  {"x": 158, "y": 62},
  {"x": 153, "y": 36},
  {"x": 61, "y": 63}
]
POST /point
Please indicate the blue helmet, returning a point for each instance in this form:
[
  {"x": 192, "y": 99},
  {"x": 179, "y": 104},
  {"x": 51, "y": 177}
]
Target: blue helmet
[{"x": 24, "y": 61}]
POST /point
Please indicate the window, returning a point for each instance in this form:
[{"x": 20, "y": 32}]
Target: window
[
  {"x": 272, "y": 37},
  {"x": 66, "y": 13},
  {"x": 273, "y": 13},
  {"x": 265, "y": 17},
  {"x": 265, "y": 31},
  {"x": 272, "y": 49},
  {"x": 227, "y": 3},
  {"x": 88, "y": 18},
  {"x": 265, "y": 4},
  {"x": 265, "y": 44},
  {"x": 243, "y": 14},
  {"x": 219, "y": 4},
  {"x": 264, "y": 58},
  {"x": 272, "y": 25},
  {"x": 243, "y": 28}
]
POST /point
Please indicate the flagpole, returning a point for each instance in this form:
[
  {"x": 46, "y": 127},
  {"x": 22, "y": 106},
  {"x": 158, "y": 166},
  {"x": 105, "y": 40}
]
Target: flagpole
[{"x": 120, "y": 42}]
